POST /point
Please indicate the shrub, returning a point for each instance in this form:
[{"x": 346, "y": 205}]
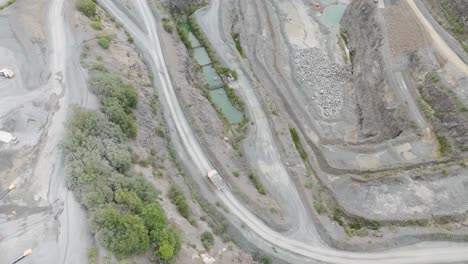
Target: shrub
[
  {"x": 258, "y": 185},
  {"x": 130, "y": 39},
  {"x": 104, "y": 42},
  {"x": 236, "y": 173},
  {"x": 177, "y": 197},
  {"x": 167, "y": 25},
  {"x": 236, "y": 38},
  {"x": 96, "y": 25},
  {"x": 87, "y": 7},
  {"x": 207, "y": 240}
]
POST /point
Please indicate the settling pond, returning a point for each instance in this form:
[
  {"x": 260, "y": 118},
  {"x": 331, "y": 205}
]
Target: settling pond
[{"x": 215, "y": 84}]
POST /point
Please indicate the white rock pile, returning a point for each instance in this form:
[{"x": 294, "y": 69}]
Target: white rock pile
[{"x": 322, "y": 80}]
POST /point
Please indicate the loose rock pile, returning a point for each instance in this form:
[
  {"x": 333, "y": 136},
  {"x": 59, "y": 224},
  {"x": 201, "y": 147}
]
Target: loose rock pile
[{"x": 322, "y": 80}]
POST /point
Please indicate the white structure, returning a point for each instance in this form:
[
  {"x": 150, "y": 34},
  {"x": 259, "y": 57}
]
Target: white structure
[
  {"x": 6, "y": 137},
  {"x": 216, "y": 179},
  {"x": 7, "y": 73}
]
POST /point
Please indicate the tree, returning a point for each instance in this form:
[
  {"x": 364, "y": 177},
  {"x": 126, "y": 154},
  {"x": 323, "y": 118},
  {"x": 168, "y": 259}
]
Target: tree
[
  {"x": 139, "y": 185},
  {"x": 129, "y": 200},
  {"x": 122, "y": 234},
  {"x": 155, "y": 220}
]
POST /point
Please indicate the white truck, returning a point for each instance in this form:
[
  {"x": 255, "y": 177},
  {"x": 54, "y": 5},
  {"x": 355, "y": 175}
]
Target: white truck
[
  {"x": 6, "y": 137},
  {"x": 7, "y": 73},
  {"x": 216, "y": 179}
]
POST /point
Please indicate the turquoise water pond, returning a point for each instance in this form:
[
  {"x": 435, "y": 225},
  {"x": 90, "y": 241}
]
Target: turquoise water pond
[
  {"x": 201, "y": 56},
  {"x": 211, "y": 77},
  {"x": 193, "y": 40},
  {"x": 221, "y": 100},
  {"x": 333, "y": 13}
]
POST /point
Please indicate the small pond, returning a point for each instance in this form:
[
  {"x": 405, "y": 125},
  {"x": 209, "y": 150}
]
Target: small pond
[{"x": 332, "y": 14}]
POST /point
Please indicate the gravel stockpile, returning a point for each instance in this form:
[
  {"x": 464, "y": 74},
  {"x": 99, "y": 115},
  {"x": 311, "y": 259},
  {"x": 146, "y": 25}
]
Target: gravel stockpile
[{"x": 322, "y": 80}]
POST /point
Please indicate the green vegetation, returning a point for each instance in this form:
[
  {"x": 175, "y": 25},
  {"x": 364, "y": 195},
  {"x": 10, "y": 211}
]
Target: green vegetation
[
  {"x": 87, "y": 7},
  {"x": 103, "y": 42},
  {"x": 118, "y": 98},
  {"x": 122, "y": 234},
  {"x": 258, "y": 185},
  {"x": 177, "y": 197},
  {"x": 341, "y": 43},
  {"x": 92, "y": 255},
  {"x": 297, "y": 143},
  {"x": 308, "y": 185},
  {"x": 7, "y": 4},
  {"x": 445, "y": 148},
  {"x": 455, "y": 25},
  {"x": 183, "y": 35},
  {"x": 236, "y": 173},
  {"x": 319, "y": 208},
  {"x": 167, "y": 25},
  {"x": 97, "y": 158},
  {"x": 235, "y": 99},
  {"x": 96, "y": 25},
  {"x": 261, "y": 259},
  {"x": 130, "y": 39},
  {"x": 236, "y": 38},
  {"x": 207, "y": 240},
  {"x": 204, "y": 42}
]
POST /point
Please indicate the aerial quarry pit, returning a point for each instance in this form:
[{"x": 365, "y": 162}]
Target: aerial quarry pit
[{"x": 233, "y": 131}]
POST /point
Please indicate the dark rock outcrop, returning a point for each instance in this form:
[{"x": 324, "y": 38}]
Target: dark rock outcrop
[{"x": 378, "y": 120}]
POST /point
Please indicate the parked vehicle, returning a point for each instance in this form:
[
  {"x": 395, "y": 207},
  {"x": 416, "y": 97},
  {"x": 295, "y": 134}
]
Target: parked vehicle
[{"x": 7, "y": 73}]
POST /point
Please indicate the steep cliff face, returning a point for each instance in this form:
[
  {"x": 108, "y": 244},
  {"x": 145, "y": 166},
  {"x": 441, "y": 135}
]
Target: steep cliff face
[{"x": 378, "y": 120}]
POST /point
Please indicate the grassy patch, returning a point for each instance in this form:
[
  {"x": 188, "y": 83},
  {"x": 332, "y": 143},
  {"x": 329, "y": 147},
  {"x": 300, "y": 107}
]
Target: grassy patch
[
  {"x": 297, "y": 142},
  {"x": 92, "y": 255},
  {"x": 258, "y": 185}
]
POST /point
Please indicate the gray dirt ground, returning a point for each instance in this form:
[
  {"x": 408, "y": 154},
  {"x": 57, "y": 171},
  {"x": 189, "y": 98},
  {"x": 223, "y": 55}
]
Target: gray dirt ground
[{"x": 360, "y": 198}]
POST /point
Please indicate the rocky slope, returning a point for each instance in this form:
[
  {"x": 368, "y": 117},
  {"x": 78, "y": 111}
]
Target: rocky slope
[{"x": 378, "y": 119}]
